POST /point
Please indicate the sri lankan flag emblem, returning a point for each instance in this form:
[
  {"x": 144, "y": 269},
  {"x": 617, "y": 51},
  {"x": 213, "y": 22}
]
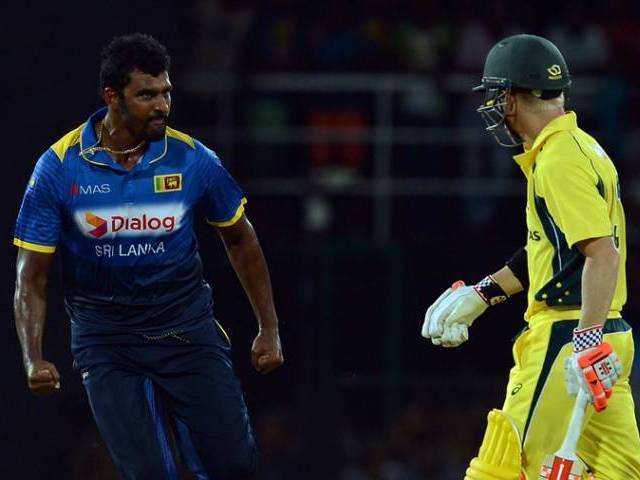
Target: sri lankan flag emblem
[{"x": 167, "y": 183}]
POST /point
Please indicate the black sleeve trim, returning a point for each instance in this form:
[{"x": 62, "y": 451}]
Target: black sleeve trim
[{"x": 518, "y": 265}]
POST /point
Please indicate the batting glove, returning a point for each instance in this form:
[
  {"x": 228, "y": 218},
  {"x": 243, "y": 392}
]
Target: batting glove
[
  {"x": 448, "y": 319},
  {"x": 593, "y": 367}
]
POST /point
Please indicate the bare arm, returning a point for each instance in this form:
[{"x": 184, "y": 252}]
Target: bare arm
[
  {"x": 508, "y": 281},
  {"x": 30, "y": 305},
  {"x": 599, "y": 277},
  {"x": 247, "y": 259},
  {"x": 250, "y": 265}
]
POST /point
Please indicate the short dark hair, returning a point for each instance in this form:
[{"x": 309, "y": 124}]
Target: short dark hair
[{"x": 126, "y": 53}]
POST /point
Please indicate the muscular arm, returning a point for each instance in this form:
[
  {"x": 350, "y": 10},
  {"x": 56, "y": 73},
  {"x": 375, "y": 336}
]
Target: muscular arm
[
  {"x": 250, "y": 265},
  {"x": 248, "y": 261},
  {"x": 599, "y": 277},
  {"x": 30, "y": 304}
]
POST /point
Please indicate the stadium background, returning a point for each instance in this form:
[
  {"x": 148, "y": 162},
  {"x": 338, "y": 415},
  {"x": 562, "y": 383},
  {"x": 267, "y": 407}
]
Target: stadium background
[{"x": 372, "y": 187}]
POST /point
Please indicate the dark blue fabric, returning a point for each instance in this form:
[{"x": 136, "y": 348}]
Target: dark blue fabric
[
  {"x": 192, "y": 378},
  {"x": 188, "y": 450},
  {"x": 40, "y": 218},
  {"x": 157, "y": 417},
  {"x": 129, "y": 253}
]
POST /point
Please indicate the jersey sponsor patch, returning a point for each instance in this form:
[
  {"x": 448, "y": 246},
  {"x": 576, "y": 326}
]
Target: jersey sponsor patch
[
  {"x": 77, "y": 189},
  {"x": 167, "y": 183},
  {"x": 100, "y": 224},
  {"x": 141, "y": 221}
]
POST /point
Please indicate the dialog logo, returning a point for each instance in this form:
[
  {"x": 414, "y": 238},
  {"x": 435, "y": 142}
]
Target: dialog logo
[
  {"x": 143, "y": 221},
  {"x": 100, "y": 225}
]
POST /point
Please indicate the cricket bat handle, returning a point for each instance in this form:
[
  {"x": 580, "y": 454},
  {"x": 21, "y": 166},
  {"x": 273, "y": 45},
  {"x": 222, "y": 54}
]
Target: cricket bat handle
[
  {"x": 568, "y": 448},
  {"x": 565, "y": 464}
]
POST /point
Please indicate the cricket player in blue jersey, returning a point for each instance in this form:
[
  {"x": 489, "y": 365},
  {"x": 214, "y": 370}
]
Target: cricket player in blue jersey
[{"x": 116, "y": 197}]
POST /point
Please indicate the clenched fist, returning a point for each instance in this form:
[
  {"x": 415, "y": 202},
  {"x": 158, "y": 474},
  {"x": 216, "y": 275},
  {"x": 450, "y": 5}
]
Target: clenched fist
[
  {"x": 448, "y": 319},
  {"x": 43, "y": 377}
]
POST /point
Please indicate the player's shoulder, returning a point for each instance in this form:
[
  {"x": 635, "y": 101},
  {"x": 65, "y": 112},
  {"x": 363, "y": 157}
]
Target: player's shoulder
[
  {"x": 207, "y": 155},
  {"x": 203, "y": 155},
  {"x": 589, "y": 146},
  {"x": 568, "y": 148},
  {"x": 561, "y": 141},
  {"x": 61, "y": 148},
  {"x": 180, "y": 139}
]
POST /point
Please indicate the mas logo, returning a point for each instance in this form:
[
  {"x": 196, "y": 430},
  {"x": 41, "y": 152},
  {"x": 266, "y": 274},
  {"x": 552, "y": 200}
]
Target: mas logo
[
  {"x": 152, "y": 221},
  {"x": 167, "y": 183},
  {"x": 89, "y": 189}
]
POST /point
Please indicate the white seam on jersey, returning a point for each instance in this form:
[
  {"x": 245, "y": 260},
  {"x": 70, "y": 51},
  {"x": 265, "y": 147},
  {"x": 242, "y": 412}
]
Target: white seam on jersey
[
  {"x": 94, "y": 163},
  {"x": 163, "y": 153},
  {"x": 83, "y": 151},
  {"x": 555, "y": 233}
]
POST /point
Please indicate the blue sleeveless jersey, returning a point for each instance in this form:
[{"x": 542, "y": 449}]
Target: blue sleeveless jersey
[{"x": 129, "y": 253}]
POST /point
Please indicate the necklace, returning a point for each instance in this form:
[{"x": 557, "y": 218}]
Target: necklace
[{"x": 96, "y": 148}]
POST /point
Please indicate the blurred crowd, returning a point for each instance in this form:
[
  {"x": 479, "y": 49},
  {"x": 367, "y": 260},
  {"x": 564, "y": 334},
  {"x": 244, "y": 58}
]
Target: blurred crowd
[
  {"x": 357, "y": 398},
  {"x": 341, "y": 430},
  {"x": 406, "y": 35},
  {"x": 419, "y": 439},
  {"x": 432, "y": 39}
]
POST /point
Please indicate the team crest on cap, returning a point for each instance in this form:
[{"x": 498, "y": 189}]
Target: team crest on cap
[
  {"x": 167, "y": 183},
  {"x": 555, "y": 72}
]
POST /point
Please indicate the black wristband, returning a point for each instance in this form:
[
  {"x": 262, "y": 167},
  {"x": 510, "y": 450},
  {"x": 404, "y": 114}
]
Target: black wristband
[
  {"x": 518, "y": 265},
  {"x": 490, "y": 291}
]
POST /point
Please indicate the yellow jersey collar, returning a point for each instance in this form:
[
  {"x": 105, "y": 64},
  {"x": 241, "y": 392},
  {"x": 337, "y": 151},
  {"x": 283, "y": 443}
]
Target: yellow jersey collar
[{"x": 568, "y": 121}]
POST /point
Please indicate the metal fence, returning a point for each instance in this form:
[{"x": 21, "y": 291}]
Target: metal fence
[{"x": 382, "y": 133}]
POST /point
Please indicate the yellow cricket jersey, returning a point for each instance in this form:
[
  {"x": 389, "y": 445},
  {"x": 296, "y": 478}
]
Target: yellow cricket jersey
[{"x": 573, "y": 194}]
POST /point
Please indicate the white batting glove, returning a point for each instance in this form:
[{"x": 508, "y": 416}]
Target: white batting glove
[
  {"x": 593, "y": 367},
  {"x": 447, "y": 320},
  {"x": 453, "y": 335},
  {"x": 433, "y": 327}
]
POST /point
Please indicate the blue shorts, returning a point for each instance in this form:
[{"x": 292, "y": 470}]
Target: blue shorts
[{"x": 154, "y": 396}]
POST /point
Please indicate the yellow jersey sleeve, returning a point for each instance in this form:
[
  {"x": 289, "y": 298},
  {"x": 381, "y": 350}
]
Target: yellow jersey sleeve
[{"x": 573, "y": 193}]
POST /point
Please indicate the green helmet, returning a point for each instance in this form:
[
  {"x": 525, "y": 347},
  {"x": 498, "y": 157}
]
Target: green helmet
[
  {"x": 528, "y": 62},
  {"x": 523, "y": 63}
]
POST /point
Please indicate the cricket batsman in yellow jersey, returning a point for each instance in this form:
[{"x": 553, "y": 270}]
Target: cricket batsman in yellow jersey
[{"x": 573, "y": 269}]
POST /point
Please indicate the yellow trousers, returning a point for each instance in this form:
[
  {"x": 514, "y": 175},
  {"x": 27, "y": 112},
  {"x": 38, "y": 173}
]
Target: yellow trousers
[{"x": 538, "y": 402}]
